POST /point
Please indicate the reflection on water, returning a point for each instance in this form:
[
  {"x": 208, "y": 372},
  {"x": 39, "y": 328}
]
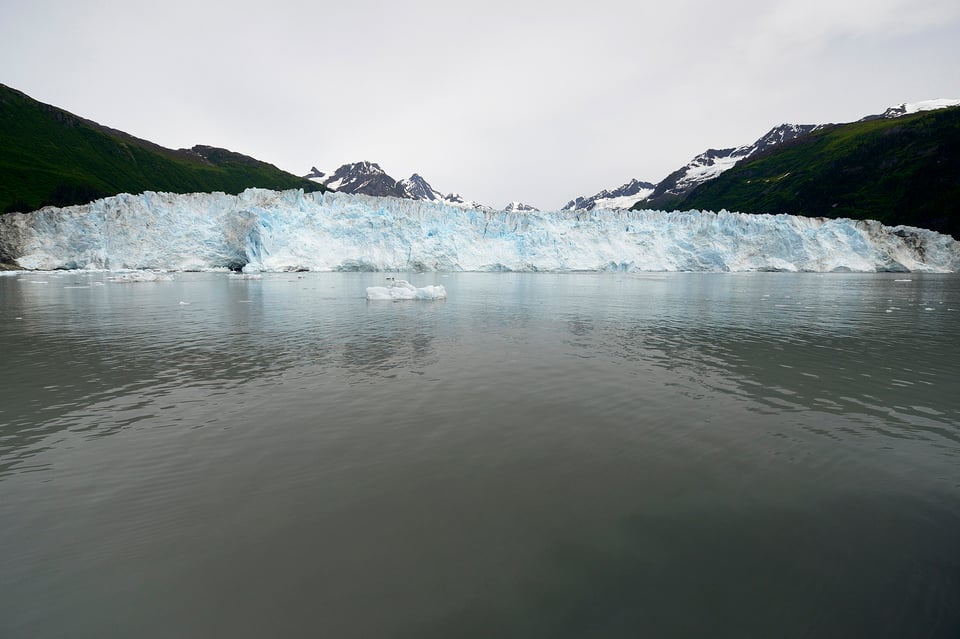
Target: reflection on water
[{"x": 538, "y": 455}]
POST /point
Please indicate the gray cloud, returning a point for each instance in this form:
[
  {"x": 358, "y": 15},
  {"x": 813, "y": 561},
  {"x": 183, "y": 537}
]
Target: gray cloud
[{"x": 498, "y": 100}]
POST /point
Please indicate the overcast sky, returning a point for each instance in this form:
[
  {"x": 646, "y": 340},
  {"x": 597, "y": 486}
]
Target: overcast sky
[{"x": 498, "y": 100}]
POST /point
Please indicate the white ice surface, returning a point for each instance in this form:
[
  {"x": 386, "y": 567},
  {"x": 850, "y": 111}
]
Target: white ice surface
[
  {"x": 929, "y": 105},
  {"x": 403, "y": 290},
  {"x": 623, "y": 201},
  {"x": 264, "y": 231}
]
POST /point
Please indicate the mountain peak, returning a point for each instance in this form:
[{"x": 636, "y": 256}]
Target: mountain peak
[
  {"x": 622, "y": 197},
  {"x": 778, "y": 135},
  {"x": 357, "y": 177},
  {"x": 369, "y": 178},
  {"x": 519, "y": 207},
  {"x": 417, "y": 188}
]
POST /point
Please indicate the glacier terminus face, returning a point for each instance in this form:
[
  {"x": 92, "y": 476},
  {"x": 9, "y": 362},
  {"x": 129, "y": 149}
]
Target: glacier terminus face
[{"x": 261, "y": 231}]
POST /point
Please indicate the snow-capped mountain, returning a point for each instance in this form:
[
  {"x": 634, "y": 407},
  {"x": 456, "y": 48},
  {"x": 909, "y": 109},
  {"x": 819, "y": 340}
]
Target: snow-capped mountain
[
  {"x": 620, "y": 198},
  {"x": 700, "y": 169},
  {"x": 417, "y": 188},
  {"x": 712, "y": 162},
  {"x": 368, "y": 178},
  {"x": 358, "y": 177},
  {"x": 517, "y": 207},
  {"x": 261, "y": 230},
  {"x": 909, "y": 108}
]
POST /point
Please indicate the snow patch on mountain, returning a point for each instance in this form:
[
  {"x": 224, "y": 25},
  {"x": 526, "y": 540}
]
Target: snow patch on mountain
[
  {"x": 262, "y": 230},
  {"x": 622, "y": 197},
  {"x": 702, "y": 168},
  {"x": 417, "y": 188},
  {"x": 712, "y": 162},
  {"x": 909, "y": 108},
  {"x": 358, "y": 177},
  {"x": 707, "y": 166}
]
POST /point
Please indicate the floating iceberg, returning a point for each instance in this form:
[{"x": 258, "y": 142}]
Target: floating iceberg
[
  {"x": 270, "y": 231},
  {"x": 404, "y": 290},
  {"x": 141, "y": 276}
]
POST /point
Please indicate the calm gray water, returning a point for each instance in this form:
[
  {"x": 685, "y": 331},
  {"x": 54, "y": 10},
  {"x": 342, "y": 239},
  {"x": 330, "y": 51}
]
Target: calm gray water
[{"x": 608, "y": 455}]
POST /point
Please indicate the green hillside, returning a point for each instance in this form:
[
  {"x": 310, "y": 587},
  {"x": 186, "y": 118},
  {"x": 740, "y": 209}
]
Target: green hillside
[
  {"x": 49, "y": 156},
  {"x": 899, "y": 171}
]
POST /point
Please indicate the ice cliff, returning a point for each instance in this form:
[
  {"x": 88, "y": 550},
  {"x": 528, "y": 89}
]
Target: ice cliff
[{"x": 261, "y": 230}]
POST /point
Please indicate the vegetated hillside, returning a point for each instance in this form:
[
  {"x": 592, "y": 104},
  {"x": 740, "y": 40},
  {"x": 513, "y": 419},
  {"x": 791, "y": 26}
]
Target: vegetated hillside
[
  {"x": 51, "y": 157},
  {"x": 899, "y": 171}
]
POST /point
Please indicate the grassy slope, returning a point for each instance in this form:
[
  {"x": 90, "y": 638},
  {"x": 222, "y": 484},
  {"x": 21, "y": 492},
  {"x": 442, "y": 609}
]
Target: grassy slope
[
  {"x": 899, "y": 171},
  {"x": 49, "y": 156}
]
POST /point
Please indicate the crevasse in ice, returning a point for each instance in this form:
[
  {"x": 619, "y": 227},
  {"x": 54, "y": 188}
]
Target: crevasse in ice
[{"x": 260, "y": 230}]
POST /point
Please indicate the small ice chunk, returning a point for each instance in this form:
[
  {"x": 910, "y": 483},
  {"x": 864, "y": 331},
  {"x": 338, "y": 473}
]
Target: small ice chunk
[
  {"x": 142, "y": 276},
  {"x": 404, "y": 290}
]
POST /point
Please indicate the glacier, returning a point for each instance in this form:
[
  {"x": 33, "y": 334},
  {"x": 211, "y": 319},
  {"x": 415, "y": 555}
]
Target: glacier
[{"x": 269, "y": 231}]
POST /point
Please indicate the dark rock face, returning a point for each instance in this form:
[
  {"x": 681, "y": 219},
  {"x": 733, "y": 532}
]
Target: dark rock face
[
  {"x": 417, "y": 188},
  {"x": 359, "y": 177},
  {"x": 781, "y": 134},
  {"x": 315, "y": 174},
  {"x": 368, "y": 178}
]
